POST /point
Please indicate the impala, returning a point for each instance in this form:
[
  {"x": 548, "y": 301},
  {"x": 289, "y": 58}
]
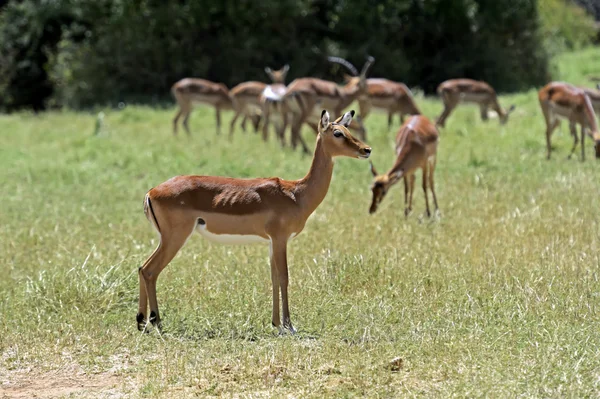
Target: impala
[
  {"x": 271, "y": 103},
  {"x": 386, "y": 95},
  {"x": 308, "y": 92},
  {"x": 454, "y": 91},
  {"x": 562, "y": 100},
  {"x": 188, "y": 91},
  {"x": 240, "y": 211},
  {"x": 246, "y": 96},
  {"x": 416, "y": 148}
]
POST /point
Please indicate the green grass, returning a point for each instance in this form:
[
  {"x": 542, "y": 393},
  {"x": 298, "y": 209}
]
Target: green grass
[{"x": 500, "y": 297}]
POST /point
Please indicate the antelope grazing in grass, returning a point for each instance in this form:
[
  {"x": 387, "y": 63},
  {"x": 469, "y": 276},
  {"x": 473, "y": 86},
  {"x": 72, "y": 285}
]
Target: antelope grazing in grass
[
  {"x": 416, "y": 148},
  {"x": 242, "y": 211},
  {"x": 386, "y": 95},
  {"x": 562, "y": 100},
  {"x": 246, "y": 97},
  {"x": 455, "y": 91},
  {"x": 305, "y": 93},
  {"x": 188, "y": 91}
]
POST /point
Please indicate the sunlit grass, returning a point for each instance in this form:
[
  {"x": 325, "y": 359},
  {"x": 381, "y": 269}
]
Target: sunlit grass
[{"x": 499, "y": 297}]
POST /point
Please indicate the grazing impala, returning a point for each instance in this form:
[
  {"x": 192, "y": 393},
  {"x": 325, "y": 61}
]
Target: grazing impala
[
  {"x": 386, "y": 95},
  {"x": 246, "y": 96},
  {"x": 454, "y": 91},
  {"x": 308, "y": 92},
  {"x": 241, "y": 211},
  {"x": 416, "y": 148},
  {"x": 562, "y": 100},
  {"x": 188, "y": 91}
]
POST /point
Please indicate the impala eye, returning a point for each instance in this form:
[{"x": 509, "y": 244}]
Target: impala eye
[{"x": 337, "y": 133}]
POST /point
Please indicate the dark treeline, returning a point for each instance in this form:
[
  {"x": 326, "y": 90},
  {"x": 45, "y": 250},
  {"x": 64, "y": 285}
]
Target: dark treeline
[{"x": 84, "y": 52}]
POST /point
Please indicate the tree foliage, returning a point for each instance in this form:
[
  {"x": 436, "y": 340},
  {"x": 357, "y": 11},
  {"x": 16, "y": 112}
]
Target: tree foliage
[{"x": 80, "y": 53}]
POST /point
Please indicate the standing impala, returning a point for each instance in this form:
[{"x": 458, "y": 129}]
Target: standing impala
[
  {"x": 308, "y": 92},
  {"x": 562, "y": 100},
  {"x": 454, "y": 91},
  {"x": 246, "y": 96},
  {"x": 241, "y": 211},
  {"x": 188, "y": 91},
  {"x": 386, "y": 95},
  {"x": 416, "y": 148}
]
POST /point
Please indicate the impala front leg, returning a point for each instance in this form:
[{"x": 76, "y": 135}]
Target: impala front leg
[
  {"x": 276, "y": 320},
  {"x": 280, "y": 257}
]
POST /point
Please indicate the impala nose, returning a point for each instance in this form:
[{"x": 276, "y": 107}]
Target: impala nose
[{"x": 368, "y": 150}]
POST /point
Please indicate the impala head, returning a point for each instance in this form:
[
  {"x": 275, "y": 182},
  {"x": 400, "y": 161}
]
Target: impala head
[
  {"x": 337, "y": 140},
  {"x": 278, "y": 76},
  {"x": 504, "y": 118},
  {"x": 381, "y": 185}
]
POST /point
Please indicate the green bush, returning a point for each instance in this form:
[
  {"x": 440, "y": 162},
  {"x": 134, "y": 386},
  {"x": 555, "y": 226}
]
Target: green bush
[{"x": 565, "y": 26}]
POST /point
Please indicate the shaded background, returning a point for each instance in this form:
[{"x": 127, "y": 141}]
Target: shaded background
[{"x": 81, "y": 53}]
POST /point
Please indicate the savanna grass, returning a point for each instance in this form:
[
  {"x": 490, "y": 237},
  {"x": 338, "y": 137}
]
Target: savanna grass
[{"x": 498, "y": 297}]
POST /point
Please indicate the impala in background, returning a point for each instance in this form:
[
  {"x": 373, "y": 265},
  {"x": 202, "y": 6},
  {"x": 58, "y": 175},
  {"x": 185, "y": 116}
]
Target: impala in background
[
  {"x": 242, "y": 211},
  {"x": 477, "y": 92},
  {"x": 416, "y": 148},
  {"x": 304, "y": 94},
  {"x": 560, "y": 100},
  {"x": 246, "y": 97},
  {"x": 189, "y": 91}
]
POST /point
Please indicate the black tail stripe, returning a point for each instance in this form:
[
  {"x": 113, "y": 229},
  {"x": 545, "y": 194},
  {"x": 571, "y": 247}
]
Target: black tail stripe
[{"x": 153, "y": 215}]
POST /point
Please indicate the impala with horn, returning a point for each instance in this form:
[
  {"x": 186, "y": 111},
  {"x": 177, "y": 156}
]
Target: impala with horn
[
  {"x": 455, "y": 91},
  {"x": 562, "y": 100},
  {"x": 416, "y": 148},
  {"x": 246, "y": 97},
  {"x": 386, "y": 95},
  {"x": 242, "y": 211},
  {"x": 308, "y": 92},
  {"x": 189, "y": 91}
]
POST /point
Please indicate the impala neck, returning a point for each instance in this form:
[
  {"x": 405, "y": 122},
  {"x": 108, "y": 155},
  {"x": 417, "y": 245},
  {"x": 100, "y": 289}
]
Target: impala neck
[{"x": 313, "y": 187}]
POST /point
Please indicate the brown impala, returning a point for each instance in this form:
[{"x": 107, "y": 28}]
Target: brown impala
[
  {"x": 386, "y": 95},
  {"x": 416, "y": 148},
  {"x": 246, "y": 96},
  {"x": 304, "y": 94},
  {"x": 242, "y": 211},
  {"x": 455, "y": 91},
  {"x": 188, "y": 91},
  {"x": 562, "y": 100}
]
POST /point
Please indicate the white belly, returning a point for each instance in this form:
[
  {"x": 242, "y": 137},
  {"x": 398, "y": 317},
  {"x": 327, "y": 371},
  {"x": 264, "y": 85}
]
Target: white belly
[{"x": 230, "y": 239}]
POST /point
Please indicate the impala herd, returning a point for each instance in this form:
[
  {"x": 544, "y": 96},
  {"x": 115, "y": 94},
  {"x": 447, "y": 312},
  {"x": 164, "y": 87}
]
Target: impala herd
[{"x": 273, "y": 210}]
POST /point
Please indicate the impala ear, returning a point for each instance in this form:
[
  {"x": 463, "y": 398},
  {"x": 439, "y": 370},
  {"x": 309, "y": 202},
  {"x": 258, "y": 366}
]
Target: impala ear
[
  {"x": 286, "y": 68},
  {"x": 324, "y": 123},
  {"x": 345, "y": 119},
  {"x": 373, "y": 170}
]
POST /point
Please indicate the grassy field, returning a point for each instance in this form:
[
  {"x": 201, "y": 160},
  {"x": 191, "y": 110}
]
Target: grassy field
[{"x": 499, "y": 297}]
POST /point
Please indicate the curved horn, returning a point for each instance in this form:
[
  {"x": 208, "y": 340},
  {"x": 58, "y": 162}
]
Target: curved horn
[
  {"x": 370, "y": 61},
  {"x": 345, "y": 63}
]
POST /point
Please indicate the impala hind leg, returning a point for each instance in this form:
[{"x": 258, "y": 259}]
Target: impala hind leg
[
  {"x": 432, "y": 185},
  {"x": 449, "y": 104},
  {"x": 573, "y": 130},
  {"x": 218, "y": 117},
  {"x": 425, "y": 179},
  {"x": 411, "y": 190},
  {"x": 582, "y": 143},
  {"x": 171, "y": 241}
]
